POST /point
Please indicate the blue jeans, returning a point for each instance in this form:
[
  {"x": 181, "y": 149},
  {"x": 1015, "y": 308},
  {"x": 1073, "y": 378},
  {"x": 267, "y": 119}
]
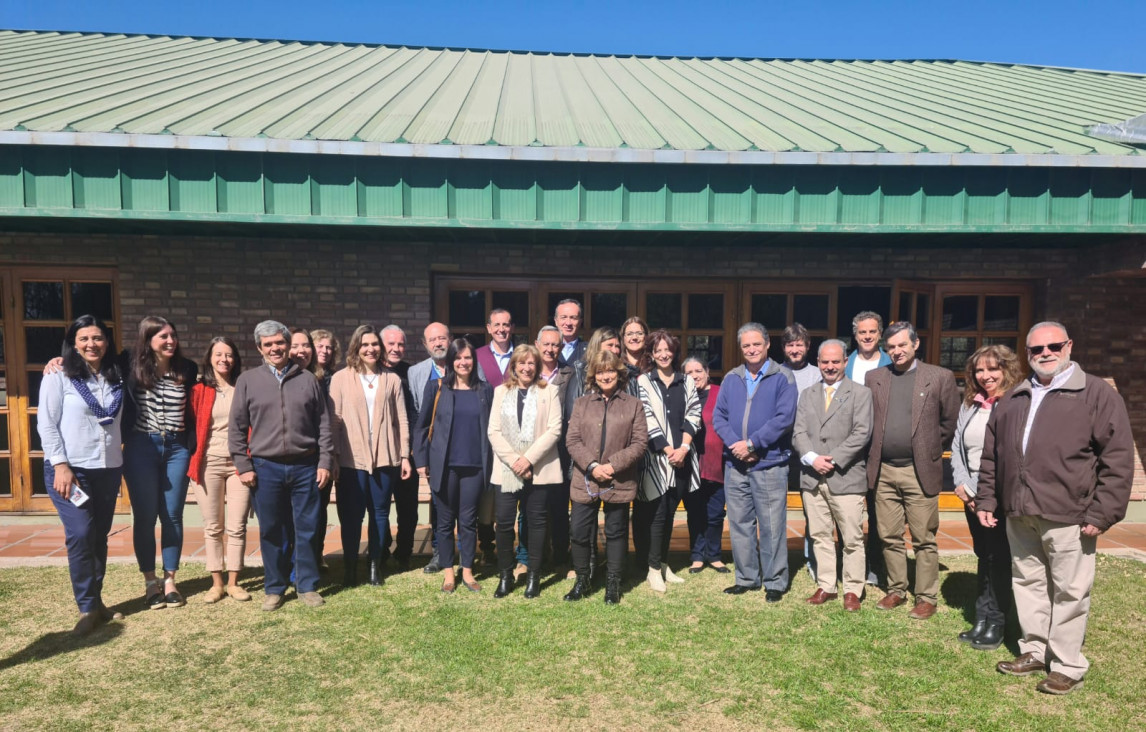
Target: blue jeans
[
  {"x": 705, "y": 509},
  {"x": 286, "y": 495},
  {"x": 362, "y": 494},
  {"x": 155, "y": 467},
  {"x": 85, "y": 530},
  {"x": 758, "y": 525}
]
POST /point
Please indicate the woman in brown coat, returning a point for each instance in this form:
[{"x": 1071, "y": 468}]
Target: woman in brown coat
[{"x": 606, "y": 440}]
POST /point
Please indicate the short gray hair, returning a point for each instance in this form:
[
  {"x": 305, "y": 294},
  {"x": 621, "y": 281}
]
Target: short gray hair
[
  {"x": 693, "y": 359},
  {"x": 898, "y": 327},
  {"x": 832, "y": 342},
  {"x": 866, "y": 315},
  {"x": 750, "y": 327},
  {"x": 548, "y": 329},
  {"x": 269, "y": 328},
  {"x": 1047, "y": 324},
  {"x": 392, "y": 328}
]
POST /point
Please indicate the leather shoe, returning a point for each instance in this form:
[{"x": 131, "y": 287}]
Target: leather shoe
[
  {"x": 272, "y": 603},
  {"x": 968, "y": 636},
  {"x": 890, "y": 602},
  {"x": 580, "y": 588},
  {"x": 1023, "y": 665},
  {"x": 922, "y": 610},
  {"x": 312, "y": 599},
  {"x": 532, "y": 585},
  {"x": 990, "y": 639},
  {"x": 696, "y": 570},
  {"x": 375, "y": 572},
  {"x": 851, "y": 602},
  {"x": 773, "y": 596},
  {"x": 504, "y": 584},
  {"x": 722, "y": 569},
  {"x": 471, "y": 586},
  {"x": 821, "y": 597},
  {"x": 612, "y": 588},
  {"x": 89, "y": 621},
  {"x": 740, "y": 589},
  {"x": 432, "y": 566},
  {"x": 1056, "y": 683}
]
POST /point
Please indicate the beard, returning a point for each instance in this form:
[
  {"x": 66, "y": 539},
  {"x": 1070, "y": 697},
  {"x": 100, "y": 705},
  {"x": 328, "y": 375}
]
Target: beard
[
  {"x": 1050, "y": 373},
  {"x": 439, "y": 353}
]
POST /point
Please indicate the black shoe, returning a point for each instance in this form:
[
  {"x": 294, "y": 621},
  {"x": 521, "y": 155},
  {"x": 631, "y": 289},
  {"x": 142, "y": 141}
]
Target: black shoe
[
  {"x": 532, "y": 585},
  {"x": 773, "y": 596},
  {"x": 489, "y": 557},
  {"x": 722, "y": 569},
  {"x": 375, "y": 572},
  {"x": 740, "y": 589},
  {"x": 432, "y": 567},
  {"x": 403, "y": 564},
  {"x": 990, "y": 639},
  {"x": 969, "y": 636},
  {"x": 612, "y": 588},
  {"x": 505, "y": 584},
  {"x": 350, "y": 574},
  {"x": 580, "y": 587},
  {"x": 696, "y": 570},
  {"x": 174, "y": 599},
  {"x": 155, "y": 601}
]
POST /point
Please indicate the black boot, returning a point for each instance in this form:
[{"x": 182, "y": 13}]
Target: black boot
[
  {"x": 505, "y": 584},
  {"x": 969, "y": 636},
  {"x": 432, "y": 566},
  {"x": 989, "y": 639},
  {"x": 580, "y": 587},
  {"x": 350, "y": 574},
  {"x": 375, "y": 572},
  {"x": 532, "y": 585},
  {"x": 612, "y": 588}
]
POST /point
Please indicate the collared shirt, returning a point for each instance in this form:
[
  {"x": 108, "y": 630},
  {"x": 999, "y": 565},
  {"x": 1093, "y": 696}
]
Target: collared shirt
[
  {"x": 548, "y": 375},
  {"x": 568, "y": 348},
  {"x": 751, "y": 382},
  {"x": 280, "y": 375},
  {"x": 1038, "y": 392},
  {"x": 69, "y": 432},
  {"x": 435, "y": 372},
  {"x": 501, "y": 358}
]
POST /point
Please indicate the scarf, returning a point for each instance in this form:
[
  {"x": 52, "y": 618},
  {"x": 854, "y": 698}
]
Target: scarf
[
  {"x": 519, "y": 437},
  {"x": 104, "y": 416}
]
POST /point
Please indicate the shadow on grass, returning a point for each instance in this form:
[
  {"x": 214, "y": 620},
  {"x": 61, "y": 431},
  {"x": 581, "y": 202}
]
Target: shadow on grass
[
  {"x": 959, "y": 590},
  {"x": 60, "y": 642}
]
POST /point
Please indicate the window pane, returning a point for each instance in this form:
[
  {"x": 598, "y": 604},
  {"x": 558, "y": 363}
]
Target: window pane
[
  {"x": 477, "y": 340},
  {"x": 953, "y": 352},
  {"x": 922, "y": 311},
  {"x": 905, "y": 301},
  {"x": 518, "y": 338},
  {"x": 517, "y": 303},
  {"x": 853, "y": 300},
  {"x": 771, "y": 311},
  {"x": 34, "y": 434},
  {"x": 467, "y": 308},
  {"x": 961, "y": 312},
  {"x": 663, "y": 310},
  {"x": 1001, "y": 312},
  {"x": 709, "y": 349},
  {"x": 3, "y": 389},
  {"x": 92, "y": 298},
  {"x": 42, "y": 344},
  {"x": 38, "y": 487},
  {"x": 1008, "y": 341},
  {"x": 609, "y": 308},
  {"x": 556, "y": 297},
  {"x": 706, "y": 311},
  {"x": 34, "y": 379},
  {"x": 811, "y": 311},
  {"x": 5, "y": 477},
  {"x": 43, "y": 300},
  {"x": 4, "y": 432}
]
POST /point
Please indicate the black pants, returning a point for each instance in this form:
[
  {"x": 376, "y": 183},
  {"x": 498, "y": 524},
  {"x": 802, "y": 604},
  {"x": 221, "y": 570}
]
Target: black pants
[
  {"x": 581, "y": 533},
  {"x": 994, "y": 576},
  {"x": 406, "y": 510},
  {"x": 458, "y": 502},
  {"x": 653, "y": 524},
  {"x": 557, "y": 498},
  {"x": 532, "y": 499}
]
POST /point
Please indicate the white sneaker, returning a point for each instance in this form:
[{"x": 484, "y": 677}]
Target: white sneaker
[
  {"x": 656, "y": 582},
  {"x": 670, "y": 577}
]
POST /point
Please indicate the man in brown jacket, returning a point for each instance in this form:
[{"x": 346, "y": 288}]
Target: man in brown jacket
[
  {"x": 1059, "y": 455},
  {"x": 914, "y": 407}
]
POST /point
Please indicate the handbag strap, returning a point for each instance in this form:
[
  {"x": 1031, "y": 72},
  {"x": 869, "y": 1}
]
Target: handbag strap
[{"x": 434, "y": 411}]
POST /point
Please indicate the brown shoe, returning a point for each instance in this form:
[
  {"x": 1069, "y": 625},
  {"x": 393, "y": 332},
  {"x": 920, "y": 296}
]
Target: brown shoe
[
  {"x": 214, "y": 594},
  {"x": 238, "y": 594},
  {"x": 1056, "y": 683},
  {"x": 851, "y": 602},
  {"x": 922, "y": 610},
  {"x": 312, "y": 599},
  {"x": 1023, "y": 665},
  {"x": 821, "y": 597},
  {"x": 91, "y": 620},
  {"x": 272, "y": 603},
  {"x": 890, "y": 602}
]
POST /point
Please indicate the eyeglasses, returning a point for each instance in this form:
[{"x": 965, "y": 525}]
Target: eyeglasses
[
  {"x": 631, "y": 333},
  {"x": 1052, "y": 347},
  {"x": 597, "y": 494}
]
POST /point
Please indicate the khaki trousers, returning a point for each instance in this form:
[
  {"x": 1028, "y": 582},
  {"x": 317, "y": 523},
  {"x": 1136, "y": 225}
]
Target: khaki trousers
[
  {"x": 222, "y": 488},
  {"x": 898, "y": 496},
  {"x": 1052, "y": 572},
  {"x": 846, "y": 513}
]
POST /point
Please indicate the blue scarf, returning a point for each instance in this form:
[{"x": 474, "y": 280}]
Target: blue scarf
[{"x": 104, "y": 416}]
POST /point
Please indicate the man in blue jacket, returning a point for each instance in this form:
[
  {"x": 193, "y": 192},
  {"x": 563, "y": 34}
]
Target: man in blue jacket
[{"x": 754, "y": 414}]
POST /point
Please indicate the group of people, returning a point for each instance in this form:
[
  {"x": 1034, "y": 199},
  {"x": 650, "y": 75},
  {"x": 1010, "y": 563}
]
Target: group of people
[{"x": 514, "y": 437}]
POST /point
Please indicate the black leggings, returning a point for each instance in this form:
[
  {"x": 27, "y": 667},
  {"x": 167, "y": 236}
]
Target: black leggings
[
  {"x": 533, "y": 499},
  {"x": 653, "y": 524},
  {"x": 581, "y": 530}
]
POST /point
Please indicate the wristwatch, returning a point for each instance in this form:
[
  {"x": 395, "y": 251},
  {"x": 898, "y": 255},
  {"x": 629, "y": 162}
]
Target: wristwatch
[{"x": 751, "y": 449}]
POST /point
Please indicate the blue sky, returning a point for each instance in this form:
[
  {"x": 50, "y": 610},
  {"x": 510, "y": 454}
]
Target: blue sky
[{"x": 1095, "y": 35}]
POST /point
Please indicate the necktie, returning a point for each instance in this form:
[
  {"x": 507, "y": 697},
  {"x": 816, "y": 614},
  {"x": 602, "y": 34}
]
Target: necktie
[{"x": 828, "y": 392}]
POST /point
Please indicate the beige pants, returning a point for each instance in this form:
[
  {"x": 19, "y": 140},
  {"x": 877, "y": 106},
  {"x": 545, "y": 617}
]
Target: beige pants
[
  {"x": 1052, "y": 572},
  {"x": 846, "y": 513},
  {"x": 899, "y": 499},
  {"x": 222, "y": 487}
]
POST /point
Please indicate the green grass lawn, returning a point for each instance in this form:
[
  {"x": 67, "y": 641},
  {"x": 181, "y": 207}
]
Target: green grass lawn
[{"x": 406, "y": 656}]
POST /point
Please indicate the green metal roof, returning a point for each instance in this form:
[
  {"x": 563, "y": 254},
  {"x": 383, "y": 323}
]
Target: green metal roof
[{"x": 258, "y": 95}]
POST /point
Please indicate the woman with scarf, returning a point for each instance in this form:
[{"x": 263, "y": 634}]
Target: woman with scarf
[
  {"x": 524, "y": 427},
  {"x": 79, "y": 418}
]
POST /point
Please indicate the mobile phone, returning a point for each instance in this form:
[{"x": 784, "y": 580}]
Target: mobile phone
[{"x": 78, "y": 497}]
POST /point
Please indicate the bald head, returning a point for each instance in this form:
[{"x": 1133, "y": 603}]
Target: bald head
[{"x": 436, "y": 339}]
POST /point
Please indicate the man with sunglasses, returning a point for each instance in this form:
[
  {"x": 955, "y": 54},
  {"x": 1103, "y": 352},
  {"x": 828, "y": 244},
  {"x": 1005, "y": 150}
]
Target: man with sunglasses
[{"x": 1059, "y": 455}]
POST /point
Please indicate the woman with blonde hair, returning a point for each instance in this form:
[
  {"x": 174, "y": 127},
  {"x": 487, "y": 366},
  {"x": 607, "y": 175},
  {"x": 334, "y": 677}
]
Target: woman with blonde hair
[
  {"x": 524, "y": 427},
  {"x": 327, "y": 355},
  {"x": 372, "y": 447},
  {"x": 990, "y": 372}
]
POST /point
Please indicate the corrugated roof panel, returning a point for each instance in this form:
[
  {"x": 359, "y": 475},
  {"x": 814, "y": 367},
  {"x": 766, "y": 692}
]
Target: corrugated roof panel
[{"x": 241, "y": 88}]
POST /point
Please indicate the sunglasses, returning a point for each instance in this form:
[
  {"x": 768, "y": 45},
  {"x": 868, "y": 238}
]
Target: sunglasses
[{"x": 1052, "y": 347}]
